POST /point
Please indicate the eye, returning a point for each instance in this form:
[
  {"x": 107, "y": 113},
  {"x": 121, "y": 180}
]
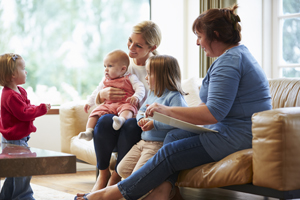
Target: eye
[{"x": 139, "y": 46}]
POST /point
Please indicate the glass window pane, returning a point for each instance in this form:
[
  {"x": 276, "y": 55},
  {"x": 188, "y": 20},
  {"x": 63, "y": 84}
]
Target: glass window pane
[
  {"x": 290, "y": 72},
  {"x": 291, "y": 40},
  {"x": 63, "y": 42},
  {"x": 290, "y": 6}
]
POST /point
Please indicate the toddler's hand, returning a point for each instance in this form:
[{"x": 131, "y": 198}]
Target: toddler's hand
[
  {"x": 86, "y": 108},
  {"x": 48, "y": 106},
  {"x": 133, "y": 100}
]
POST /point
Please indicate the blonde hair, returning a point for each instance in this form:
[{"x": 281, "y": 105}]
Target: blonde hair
[
  {"x": 120, "y": 57},
  {"x": 167, "y": 74},
  {"x": 150, "y": 32},
  {"x": 7, "y": 67}
]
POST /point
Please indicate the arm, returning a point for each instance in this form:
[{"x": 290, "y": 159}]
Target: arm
[
  {"x": 220, "y": 92},
  {"x": 24, "y": 111}
]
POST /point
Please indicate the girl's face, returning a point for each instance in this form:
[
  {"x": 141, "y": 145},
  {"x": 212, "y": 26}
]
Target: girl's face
[
  {"x": 113, "y": 69},
  {"x": 138, "y": 49},
  {"x": 206, "y": 45},
  {"x": 20, "y": 74},
  {"x": 150, "y": 77}
]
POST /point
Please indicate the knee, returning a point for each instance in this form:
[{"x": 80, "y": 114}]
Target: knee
[
  {"x": 121, "y": 171},
  {"x": 103, "y": 126}
]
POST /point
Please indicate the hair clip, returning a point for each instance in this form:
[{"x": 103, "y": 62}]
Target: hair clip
[{"x": 14, "y": 57}]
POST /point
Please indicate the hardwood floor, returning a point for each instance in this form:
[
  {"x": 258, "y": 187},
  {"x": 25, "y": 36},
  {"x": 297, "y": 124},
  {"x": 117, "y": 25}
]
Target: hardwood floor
[{"x": 83, "y": 182}]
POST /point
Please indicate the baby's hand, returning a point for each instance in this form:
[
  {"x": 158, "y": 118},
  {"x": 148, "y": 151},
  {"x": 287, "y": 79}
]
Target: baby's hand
[
  {"x": 133, "y": 100},
  {"x": 86, "y": 108},
  {"x": 146, "y": 124},
  {"x": 48, "y": 106}
]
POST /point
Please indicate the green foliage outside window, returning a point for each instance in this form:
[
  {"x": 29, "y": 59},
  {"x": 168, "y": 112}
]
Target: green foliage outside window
[{"x": 63, "y": 42}]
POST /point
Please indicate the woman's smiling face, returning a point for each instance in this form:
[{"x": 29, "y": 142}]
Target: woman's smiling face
[{"x": 137, "y": 46}]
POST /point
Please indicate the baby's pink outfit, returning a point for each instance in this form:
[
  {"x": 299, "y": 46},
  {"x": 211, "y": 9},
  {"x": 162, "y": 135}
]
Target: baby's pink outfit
[{"x": 116, "y": 107}]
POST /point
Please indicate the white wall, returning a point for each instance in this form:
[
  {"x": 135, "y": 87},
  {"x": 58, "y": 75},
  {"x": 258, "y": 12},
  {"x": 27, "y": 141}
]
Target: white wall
[{"x": 175, "y": 19}]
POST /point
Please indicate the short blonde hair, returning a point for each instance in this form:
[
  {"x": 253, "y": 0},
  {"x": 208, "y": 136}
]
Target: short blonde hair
[
  {"x": 150, "y": 32},
  {"x": 166, "y": 72},
  {"x": 7, "y": 67},
  {"x": 120, "y": 57}
]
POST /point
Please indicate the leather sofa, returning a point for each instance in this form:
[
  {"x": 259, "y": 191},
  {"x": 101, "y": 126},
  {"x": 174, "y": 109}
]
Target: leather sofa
[{"x": 271, "y": 168}]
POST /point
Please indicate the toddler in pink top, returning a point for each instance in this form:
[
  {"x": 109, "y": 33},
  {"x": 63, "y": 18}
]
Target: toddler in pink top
[{"x": 116, "y": 64}]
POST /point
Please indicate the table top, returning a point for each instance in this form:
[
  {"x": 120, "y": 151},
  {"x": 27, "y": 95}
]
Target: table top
[{"x": 26, "y": 161}]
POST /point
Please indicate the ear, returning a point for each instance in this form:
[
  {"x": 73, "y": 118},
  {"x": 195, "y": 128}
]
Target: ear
[
  {"x": 124, "y": 68},
  {"x": 153, "y": 48},
  {"x": 217, "y": 34}
]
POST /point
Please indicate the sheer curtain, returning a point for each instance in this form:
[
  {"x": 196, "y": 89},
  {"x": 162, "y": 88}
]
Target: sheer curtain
[{"x": 205, "y": 62}]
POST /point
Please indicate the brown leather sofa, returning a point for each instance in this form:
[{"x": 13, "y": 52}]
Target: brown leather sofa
[{"x": 271, "y": 168}]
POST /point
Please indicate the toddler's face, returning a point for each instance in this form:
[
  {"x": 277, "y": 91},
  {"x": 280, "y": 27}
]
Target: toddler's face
[
  {"x": 113, "y": 69},
  {"x": 20, "y": 74}
]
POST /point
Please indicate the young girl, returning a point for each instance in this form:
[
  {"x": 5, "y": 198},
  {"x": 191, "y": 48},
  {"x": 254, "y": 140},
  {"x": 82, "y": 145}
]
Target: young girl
[
  {"x": 16, "y": 119},
  {"x": 116, "y": 64},
  {"x": 164, "y": 80}
]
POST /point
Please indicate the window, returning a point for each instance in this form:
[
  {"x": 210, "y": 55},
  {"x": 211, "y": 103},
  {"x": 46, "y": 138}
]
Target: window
[
  {"x": 286, "y": 32},
  {"x": 63, "y": 42}
]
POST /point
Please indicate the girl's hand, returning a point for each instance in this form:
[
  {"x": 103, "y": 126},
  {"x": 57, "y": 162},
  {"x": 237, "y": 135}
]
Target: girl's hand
[
  {"x": 86, "y": 108},
  {"x": 133, "y": 100},
  {"x": 48, "y": 106},
  {"x": 146, "y": 124},
  {"x": 113, "y": 94},
  {"x": 156, "y": 107}
]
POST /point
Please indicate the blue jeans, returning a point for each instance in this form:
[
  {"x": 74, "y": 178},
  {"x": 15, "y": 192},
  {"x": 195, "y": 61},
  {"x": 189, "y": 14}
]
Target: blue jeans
[
  {"x": 17, "y": 188},
  {"x": 181, "y": 150},
  {"x": 107, "y": 140}
]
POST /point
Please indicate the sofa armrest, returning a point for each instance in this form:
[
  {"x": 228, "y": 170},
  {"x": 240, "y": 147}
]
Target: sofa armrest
[
  {"x": 276, "y": 149},
  {"x": 73, "y": 120}
]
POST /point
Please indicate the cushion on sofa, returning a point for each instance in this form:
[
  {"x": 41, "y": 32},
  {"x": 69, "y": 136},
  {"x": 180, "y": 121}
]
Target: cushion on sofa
[
  {"x": 235, "y": 169},
  {"x": 276, "y": 148},
  {"x": 191, "y": 86}
]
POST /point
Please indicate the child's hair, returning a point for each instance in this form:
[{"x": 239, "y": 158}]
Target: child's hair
[
  {"x": 167, "y": 74},
  {"x": 150, "y": 32},
  {"x": 7, "y": 67},
  {"x": 120, "y": 57}
]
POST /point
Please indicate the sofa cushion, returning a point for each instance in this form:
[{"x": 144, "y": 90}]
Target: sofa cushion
[
  {"x": 235, "y": 169},
  {"x": 276, "y": 149},
  {"x": 191, "y": 86}
]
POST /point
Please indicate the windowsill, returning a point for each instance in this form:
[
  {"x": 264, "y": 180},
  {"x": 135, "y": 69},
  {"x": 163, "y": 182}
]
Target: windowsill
[{"x": 53, "y": 111}]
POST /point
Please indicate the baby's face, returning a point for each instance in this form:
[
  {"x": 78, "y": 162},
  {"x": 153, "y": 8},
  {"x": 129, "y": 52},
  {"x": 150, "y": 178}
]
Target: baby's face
[{"x": 113, "y": 69}]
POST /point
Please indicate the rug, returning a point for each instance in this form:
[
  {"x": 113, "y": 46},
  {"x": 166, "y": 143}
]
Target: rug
[{"x": 44, "y": 193}]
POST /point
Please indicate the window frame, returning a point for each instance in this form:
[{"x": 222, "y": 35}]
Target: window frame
[{"x": 277, "y": 38}]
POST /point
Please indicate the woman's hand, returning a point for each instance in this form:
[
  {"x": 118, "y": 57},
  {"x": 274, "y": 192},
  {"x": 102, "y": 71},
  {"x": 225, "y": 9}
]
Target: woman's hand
[
  {"x": 86, "y": 108},
  {"x": 113, "y": 94},
  {"x": 146, "y": 124},
  {"x": 156, "y": 107}
]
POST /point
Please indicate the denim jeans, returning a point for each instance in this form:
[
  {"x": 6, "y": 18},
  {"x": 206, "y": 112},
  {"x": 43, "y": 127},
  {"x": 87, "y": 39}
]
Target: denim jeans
[
  {"x": 181, "y": 150},
  {"x": 17, "y": 188},
  {"x": 107, "y": 140}
]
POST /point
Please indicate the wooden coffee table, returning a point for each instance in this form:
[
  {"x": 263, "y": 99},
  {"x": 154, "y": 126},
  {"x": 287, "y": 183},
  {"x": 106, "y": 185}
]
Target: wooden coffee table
[{"x": 22, "y": 161}]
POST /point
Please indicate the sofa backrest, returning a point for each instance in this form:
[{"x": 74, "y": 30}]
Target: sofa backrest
[{"x": 285, "y": 92}]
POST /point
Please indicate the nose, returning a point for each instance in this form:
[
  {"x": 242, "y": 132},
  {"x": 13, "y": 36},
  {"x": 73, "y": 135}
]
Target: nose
[
  {"x": 130, "y": 46},
  {"x": 146, "y": 77},
  {"x": 197, "y": 42}
]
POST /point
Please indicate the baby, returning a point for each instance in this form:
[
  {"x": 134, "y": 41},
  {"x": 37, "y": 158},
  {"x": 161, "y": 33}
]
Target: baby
[{"x": 116, "y": 64}]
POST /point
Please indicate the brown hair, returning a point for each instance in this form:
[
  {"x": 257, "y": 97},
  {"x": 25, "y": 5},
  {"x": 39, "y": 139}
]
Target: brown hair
[
  {"x": 7, "y": 67},
  {"x": 150, "y": 32},
  {"x": 223, "y": 21},
  {"x": 167, "y": 74}
]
